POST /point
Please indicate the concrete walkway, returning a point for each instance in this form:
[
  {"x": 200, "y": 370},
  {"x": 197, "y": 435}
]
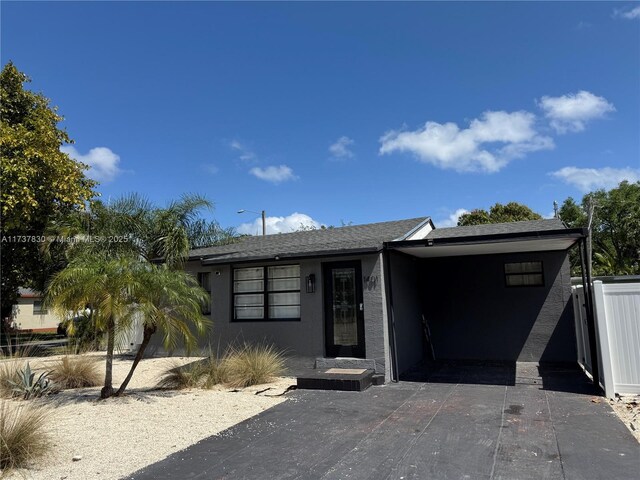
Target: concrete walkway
[{"x": 465, "y": 423}]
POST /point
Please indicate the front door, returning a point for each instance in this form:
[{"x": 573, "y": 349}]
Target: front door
[{"x": 344, "y": 310}]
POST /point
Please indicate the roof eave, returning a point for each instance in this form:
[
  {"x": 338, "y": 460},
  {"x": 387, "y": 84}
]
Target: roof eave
[
  {"x": 576, "y": 233},
  {"x": 289, "y": 256}
]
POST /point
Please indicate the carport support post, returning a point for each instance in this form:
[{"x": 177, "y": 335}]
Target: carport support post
[
  {"x": 390, "y": 318},
  {"x": 588, "y": 303}
]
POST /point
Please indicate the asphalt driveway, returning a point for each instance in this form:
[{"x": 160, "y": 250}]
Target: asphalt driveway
[{"x": 464, "y": 423}]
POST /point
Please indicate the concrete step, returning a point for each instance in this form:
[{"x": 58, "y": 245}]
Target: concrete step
[{"x": 345, "y": 379}]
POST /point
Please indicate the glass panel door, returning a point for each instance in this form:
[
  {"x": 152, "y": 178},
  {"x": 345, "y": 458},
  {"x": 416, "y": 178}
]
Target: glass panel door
[
  {"x": 344, "y": 312},
  {"x": 345, "y": 316}
]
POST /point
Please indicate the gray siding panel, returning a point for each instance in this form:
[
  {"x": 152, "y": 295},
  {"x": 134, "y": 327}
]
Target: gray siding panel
[
  {"x": 304, "y": 338},
  {"x": 407, "y": 309},
  {"x": 474, "y": 315}
]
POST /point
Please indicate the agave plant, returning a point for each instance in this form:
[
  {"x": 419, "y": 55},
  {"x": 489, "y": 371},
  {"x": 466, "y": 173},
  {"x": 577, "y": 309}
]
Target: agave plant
[{"x": 29, "y": 387}]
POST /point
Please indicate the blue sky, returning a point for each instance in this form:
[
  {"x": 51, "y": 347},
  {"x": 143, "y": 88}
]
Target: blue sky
[{"x": 340, "y": 112}]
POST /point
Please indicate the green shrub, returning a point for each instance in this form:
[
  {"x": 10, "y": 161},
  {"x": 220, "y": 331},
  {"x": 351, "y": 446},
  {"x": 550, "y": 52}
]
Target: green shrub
[
  {"x": 28, "y": 386},
  {"x": 83, "y": 334},
  {"x": 22, "y": 434},
  {"x": 76, "y": 371},
  {"x": 253, "y": 365}
]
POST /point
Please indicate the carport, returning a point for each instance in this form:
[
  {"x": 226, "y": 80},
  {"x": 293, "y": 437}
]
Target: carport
[{"x": 487, "y": 293}]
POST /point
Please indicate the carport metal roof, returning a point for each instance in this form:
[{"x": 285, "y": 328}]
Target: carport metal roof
[{"x": 489, "y": 243}]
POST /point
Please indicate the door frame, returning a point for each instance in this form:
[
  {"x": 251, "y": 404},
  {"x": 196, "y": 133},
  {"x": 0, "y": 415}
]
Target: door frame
[{"x": 331, "y": 350}]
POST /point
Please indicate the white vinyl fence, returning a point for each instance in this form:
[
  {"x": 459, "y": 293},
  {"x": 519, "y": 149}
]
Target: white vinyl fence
[{"x": 617, "y": 318}]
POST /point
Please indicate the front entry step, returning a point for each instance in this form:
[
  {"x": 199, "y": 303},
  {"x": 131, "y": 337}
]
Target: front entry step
[{"x": 345, "y": 379}]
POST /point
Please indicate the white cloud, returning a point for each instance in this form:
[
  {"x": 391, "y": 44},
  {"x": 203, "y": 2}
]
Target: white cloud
[
  {"x": 488, "y": 144},
  {"x": 340, "y": 149},
  {"x": 287, "y": 224},
  {"x": 211, "y": 168},
  {"x": 627, "y": 14},
  {"x": 245, "y": 154},
  {"x": 589, "y": 179},
  {"x": 103, "y": 163},
  {"x": 273, "y": 174},
  {"x": 451, "y": 220},
  {"x": 571, "y": 112}
]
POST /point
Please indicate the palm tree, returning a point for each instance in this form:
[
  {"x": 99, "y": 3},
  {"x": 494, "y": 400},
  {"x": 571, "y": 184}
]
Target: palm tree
[
  {"x": 118, "y": 275},
  {"x": 131, "y": 225},
  {"x": 118, "y": 289},
  {"x": 108, "y": 287},
  {"x": 170, "y": 301}
]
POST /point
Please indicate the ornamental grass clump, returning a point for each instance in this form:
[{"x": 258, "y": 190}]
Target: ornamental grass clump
[
  {"x": 11, "y": 364},
  {"x": 179, "y": 377},
  {"x": 205, "y": 373},
  {"x": 241, "y": 366},
  {"x": 23, "y": 436},
  {"x": 9, "y": 375},
  {"x": 249, "y": 365},
  {"x": 216, "y": 371},
  {"x": 76, "y": 371}
]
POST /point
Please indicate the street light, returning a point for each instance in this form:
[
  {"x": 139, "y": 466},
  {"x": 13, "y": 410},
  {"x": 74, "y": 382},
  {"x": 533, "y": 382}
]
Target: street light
[{"x": 264, "y": 219}]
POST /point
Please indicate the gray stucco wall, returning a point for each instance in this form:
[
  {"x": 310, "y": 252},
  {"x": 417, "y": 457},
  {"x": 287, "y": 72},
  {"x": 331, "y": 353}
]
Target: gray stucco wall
[
  {"x": 304, "y": 338},
  {"x": 474, "y": 315},
  {"x": 407, "y": 309}
]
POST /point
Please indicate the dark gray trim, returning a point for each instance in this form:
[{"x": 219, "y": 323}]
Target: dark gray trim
[
  {"x": 278, "y": 258},
  {"x": 576, "y": 233},
  {"x": 335, "y": 351}
]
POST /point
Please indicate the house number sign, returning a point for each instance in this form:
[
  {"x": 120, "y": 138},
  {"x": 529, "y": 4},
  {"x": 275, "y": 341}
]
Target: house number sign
[{"x": 371, "y": 282}]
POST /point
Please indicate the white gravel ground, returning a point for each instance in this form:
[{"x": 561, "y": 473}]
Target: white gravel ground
[
  {"x": 627, "y": 407},
  {"x": 118, "y": 436}
]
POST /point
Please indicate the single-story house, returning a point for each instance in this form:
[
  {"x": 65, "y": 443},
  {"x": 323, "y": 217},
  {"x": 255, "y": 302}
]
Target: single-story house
[
  {"x": 386, "y": 296},
  {"x": 30, "y": 315}
]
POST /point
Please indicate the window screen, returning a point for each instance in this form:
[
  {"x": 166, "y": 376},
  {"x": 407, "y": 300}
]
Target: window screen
[{"x": 524, "y": 274}]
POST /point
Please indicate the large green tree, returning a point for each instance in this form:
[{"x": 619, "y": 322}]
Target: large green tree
[
  {"x": 37, "y": 182},
  {"x": 498, "y": 213},
  {"x": 615, "y": 227}
]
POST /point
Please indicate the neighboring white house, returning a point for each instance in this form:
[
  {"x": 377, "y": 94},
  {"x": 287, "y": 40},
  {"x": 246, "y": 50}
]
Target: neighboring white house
[{"x": 30, "y": 315}]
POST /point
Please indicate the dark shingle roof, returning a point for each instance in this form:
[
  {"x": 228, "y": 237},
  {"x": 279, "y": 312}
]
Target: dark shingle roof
[
  {"x": 498, "y": 228},
  {"x": 355, "y": 238}
]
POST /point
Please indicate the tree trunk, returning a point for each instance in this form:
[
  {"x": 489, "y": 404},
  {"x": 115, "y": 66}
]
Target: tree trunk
[
  {"x": 148, "y": 331},
  {"x": 107, "y": 390}
]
